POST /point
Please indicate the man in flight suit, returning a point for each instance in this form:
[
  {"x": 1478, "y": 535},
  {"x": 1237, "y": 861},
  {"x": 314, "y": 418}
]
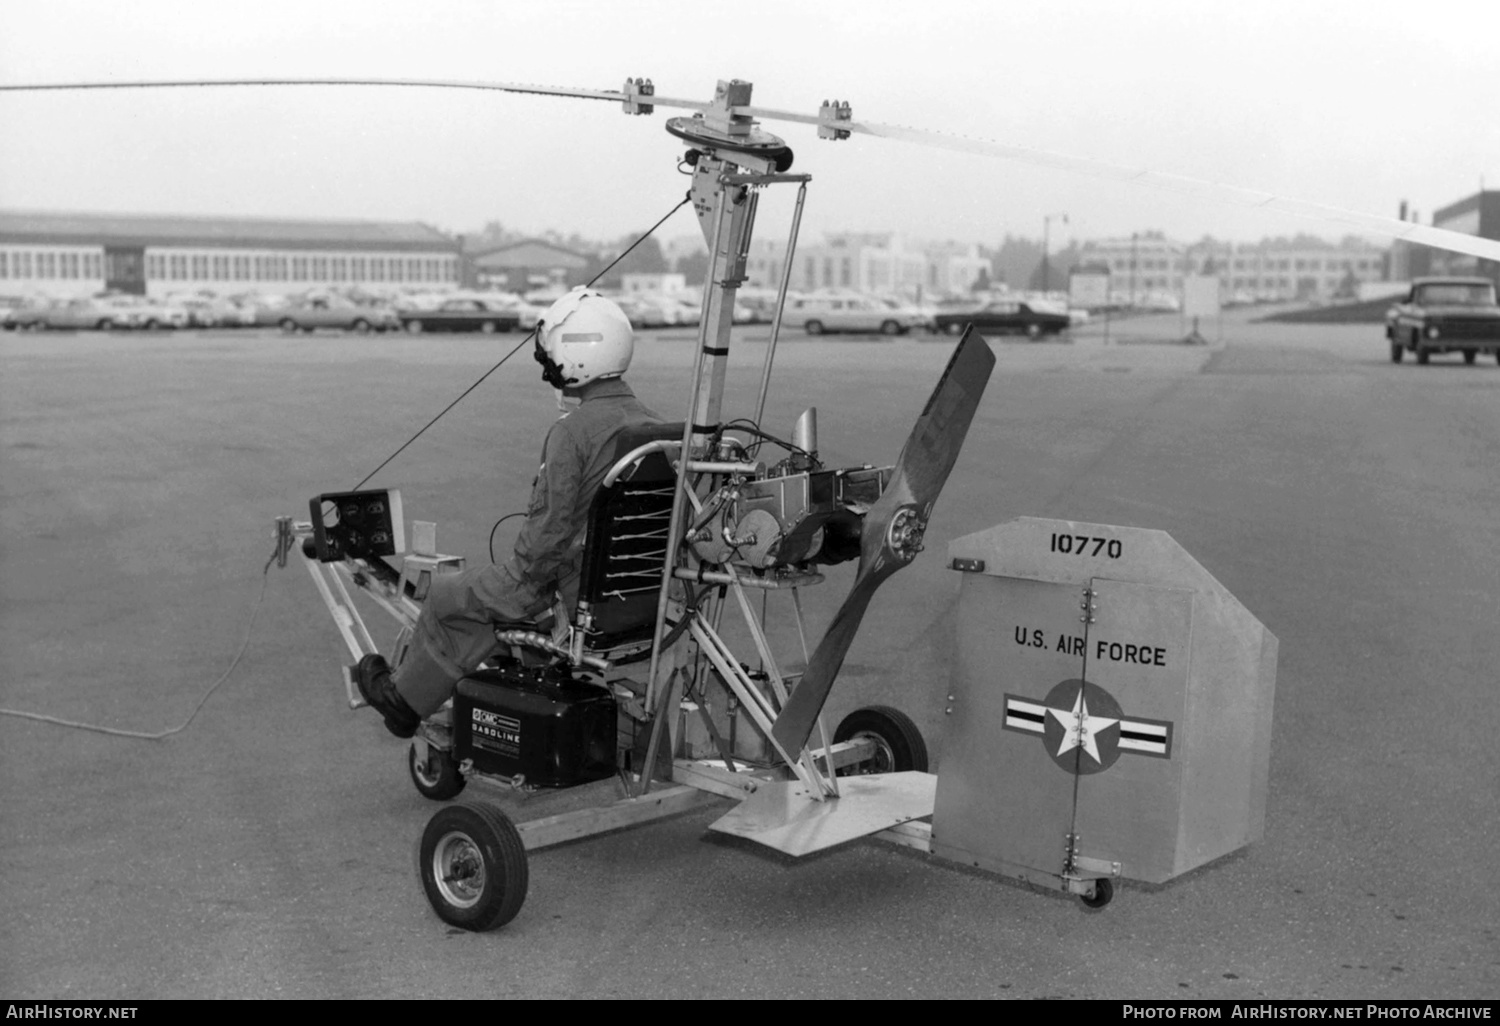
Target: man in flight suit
[{"x": 584, "y": 343}]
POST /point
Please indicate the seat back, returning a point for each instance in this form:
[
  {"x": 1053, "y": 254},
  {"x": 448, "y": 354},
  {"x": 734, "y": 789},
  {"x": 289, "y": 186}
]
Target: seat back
[{"x": 626, "y": 541}]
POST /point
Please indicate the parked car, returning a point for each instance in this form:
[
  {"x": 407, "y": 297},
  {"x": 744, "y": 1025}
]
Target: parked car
[
  {"x": 1445, "y": 315},
  {"x": 528, "y": 313},
  {"x": 8, "y": 306},
  {"x": 647, "y": 313},
  {"x": 460, "y": 315},
  {"x": 331, "y": 312},
  {"x": 1002, "y": 317},
  {"x": 144, "y": 312},
  {"x": 820, "y": 314},
  {"x": 73, "y": 314},
  {"x": 916, "y": 316}
]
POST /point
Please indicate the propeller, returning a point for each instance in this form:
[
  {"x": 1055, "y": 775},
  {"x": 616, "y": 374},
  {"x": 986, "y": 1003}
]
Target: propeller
[
  {"x": 894, "y": 525},
  {"x": 835, "y": 121}
]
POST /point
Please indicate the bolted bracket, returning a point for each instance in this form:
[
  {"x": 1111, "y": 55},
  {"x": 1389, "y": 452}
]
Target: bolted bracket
[
  {"x": 829, "y": 115},
  {"x": 635, "y": 89}
]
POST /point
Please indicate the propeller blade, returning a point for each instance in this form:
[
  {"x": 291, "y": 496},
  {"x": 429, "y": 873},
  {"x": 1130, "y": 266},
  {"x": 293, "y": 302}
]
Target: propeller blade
[{"x": 893, "y": 528}]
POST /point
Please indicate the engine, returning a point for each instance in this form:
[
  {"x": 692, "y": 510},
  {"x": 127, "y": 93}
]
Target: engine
[{"x": 795, "y": 512}]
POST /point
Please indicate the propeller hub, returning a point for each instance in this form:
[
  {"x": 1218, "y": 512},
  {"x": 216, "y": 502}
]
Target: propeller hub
[{"x": 904, "y": 537}]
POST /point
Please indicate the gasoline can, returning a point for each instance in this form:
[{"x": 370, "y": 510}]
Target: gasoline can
[{"x": 530, "y": 722}]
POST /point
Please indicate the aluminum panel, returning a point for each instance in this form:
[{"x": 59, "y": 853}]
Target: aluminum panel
[{"x": 1001, "y": 794}]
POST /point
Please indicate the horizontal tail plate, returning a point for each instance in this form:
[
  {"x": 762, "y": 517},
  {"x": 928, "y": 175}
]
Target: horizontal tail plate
[{"x": 786, "y": 816}]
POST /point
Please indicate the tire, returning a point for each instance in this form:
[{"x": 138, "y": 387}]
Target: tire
[
  {"x": 1033, "y": 331},
  {"x": 104, "y": 325},
  {"x": 1396, "y": 352},
  {"x": 1104, "y": 892},
  {"x": 1470, "y": 355},
  {"x": 439, "y": 779},
  {"x": 487, "y": 327},
  {"x": 473, "y": 867},
  {"x": 151, "y": 325},
  {"x": 813, "y": 327},
  {"x": 890, "y": 328},
  {"x": 1423, "y": 355},
  {"x": 361, "y": 326},
  {"x": 899, "y": 747},
  {"x": 289, "y": 326},
  {"x": 954, "y": 328},
  {"x": 414, "y": 327}
]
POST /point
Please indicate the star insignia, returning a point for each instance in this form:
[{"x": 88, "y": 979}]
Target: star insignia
[{"x": 1079, "y": 727}]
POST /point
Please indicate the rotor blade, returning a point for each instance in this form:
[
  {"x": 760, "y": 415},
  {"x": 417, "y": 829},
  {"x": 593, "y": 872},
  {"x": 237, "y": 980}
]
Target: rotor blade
[
  {"x": 612, "y": 95},
  {"x": 904, "y": 506},
  {"x": 1407, "y": 231}
]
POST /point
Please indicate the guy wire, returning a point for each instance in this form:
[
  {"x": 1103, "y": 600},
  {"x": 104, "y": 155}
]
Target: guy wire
[
  {"x": 529, "y": 338},
  {"x": 265, "y": 571}
]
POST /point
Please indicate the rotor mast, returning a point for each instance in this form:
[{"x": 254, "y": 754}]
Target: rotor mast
[{"x": 731, "y": 159}]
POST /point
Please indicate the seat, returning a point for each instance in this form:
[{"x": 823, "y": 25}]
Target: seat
[
  {"x": 626, "y": 542},
  {"x": 625, "y": 547}
]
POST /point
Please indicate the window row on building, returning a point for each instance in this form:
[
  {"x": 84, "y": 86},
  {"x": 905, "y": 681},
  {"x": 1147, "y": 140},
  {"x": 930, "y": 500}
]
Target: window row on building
[
  {"x": 198, "y": 266},
  {"x": 1365, "y": 265},
  {"x": 52, "y": 264}
]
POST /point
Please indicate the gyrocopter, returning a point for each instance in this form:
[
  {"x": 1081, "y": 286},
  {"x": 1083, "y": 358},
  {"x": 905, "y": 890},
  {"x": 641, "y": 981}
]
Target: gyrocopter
[
  {"x": 636, "y": 684},
  {"x": 636, "y": 681}
]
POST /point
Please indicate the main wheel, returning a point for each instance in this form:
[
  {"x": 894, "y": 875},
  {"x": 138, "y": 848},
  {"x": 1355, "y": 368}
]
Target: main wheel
[
  {"x": 1104, "y": 892},
  {"x": 813, "y": 327},
  {"x": 438, "y": 778},
  {"x": 1470, "y": 355},
  {"x": 473, "y": 867},
  {"x": 1396, "y": 351},
  {"x": 898, "y": 743}
]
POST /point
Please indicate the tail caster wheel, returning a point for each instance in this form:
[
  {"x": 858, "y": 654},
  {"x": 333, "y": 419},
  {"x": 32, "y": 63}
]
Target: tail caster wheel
[
  {"x": 437, "y": 777},
  {"x": 1104, "y": 892},
  {"x": 473, "y": 867},
  {"x": 898, "y": 743}
]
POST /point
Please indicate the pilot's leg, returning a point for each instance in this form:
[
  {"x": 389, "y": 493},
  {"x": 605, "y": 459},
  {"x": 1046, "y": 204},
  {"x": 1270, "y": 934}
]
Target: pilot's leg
[{"x": 453, "y": 635}]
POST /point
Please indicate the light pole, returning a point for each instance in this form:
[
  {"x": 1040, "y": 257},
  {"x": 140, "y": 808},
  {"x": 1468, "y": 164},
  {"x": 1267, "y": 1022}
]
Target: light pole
[
  {"x": 1133, "y": 236},
  {"x": 1047, "y": 246}
]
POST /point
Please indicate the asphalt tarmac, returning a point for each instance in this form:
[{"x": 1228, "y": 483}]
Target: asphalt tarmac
[{"x": 267, "y": 850}]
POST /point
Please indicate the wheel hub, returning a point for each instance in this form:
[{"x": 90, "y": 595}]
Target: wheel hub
[{"x": 458, "y": 868}]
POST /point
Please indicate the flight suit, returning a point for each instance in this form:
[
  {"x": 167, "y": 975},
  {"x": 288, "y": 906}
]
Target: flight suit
[{"x": 455, "y": 630}]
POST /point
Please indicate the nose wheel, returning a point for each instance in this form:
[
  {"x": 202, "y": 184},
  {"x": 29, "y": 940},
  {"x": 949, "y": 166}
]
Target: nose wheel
[{"x": 473, "y": 867}]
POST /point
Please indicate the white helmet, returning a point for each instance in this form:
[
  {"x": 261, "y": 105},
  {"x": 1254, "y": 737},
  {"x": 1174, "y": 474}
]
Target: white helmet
[{"x": 583, "y": 337}]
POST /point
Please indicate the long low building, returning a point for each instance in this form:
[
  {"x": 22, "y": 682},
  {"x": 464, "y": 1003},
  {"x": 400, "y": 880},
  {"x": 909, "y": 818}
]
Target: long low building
[{"x": 75, "y": 254}]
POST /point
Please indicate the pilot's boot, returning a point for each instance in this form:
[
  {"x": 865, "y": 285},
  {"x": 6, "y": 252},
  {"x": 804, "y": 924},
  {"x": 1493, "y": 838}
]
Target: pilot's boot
[{"x": 373, "y": 676}]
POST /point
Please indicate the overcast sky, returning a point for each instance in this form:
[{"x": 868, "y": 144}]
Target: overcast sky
[{"x": 1351, "y": 104}]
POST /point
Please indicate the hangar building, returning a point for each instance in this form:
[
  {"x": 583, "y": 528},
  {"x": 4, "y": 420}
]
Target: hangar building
[
  {"x": 1479, "y": 215},
  {"x": 78, "y": 254}
]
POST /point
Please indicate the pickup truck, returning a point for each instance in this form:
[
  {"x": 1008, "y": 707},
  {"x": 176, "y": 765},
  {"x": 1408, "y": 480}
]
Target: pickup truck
[{"x": 1445, "y": 315}]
